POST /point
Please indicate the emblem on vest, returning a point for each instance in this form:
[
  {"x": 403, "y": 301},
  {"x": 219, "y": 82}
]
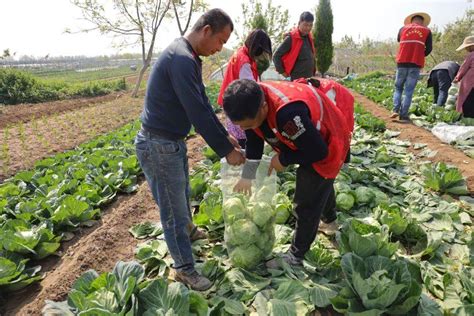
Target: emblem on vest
[{"x": 293, "y": 129}]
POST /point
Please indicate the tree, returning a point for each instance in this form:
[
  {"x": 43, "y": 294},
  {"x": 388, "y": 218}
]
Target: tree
[
  {"x": 185, "y": 14},
  {"x": 446, "y": 42},
  {"x": 323, "y": 36},
  {"x": 347, "y": 42},
  {"x": 273, "y": 20},
  {"x": 6, "y": 54},
  {"x": 134, "y": 22}
]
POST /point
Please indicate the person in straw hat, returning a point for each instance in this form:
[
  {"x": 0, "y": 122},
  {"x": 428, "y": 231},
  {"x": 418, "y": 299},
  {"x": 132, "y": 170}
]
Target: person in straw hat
[
  {"x": 465, "y": 77},
  {"x": 415, "y": 44}
]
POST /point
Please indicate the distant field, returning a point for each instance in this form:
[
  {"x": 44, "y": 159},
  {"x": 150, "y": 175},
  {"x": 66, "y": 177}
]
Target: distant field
[{"x": 84, "y": 74}]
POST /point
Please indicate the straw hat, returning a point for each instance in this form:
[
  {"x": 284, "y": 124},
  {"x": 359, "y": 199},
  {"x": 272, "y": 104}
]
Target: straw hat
[
  {"x": 425, "y": 16},
  {"x": 468, "y": 41}
]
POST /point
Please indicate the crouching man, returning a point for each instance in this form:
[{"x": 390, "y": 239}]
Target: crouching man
[{"x": 304, "y": 127}]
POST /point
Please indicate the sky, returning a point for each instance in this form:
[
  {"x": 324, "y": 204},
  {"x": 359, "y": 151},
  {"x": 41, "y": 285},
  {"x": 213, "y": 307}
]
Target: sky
[{"x": 37, "y": 27}]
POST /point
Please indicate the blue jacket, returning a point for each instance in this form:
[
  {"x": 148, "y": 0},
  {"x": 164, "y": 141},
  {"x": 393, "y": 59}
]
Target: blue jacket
[{"x": 176, "y": 98}]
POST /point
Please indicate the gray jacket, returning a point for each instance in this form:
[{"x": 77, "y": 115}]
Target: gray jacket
[{"x": 451, "y": 66}]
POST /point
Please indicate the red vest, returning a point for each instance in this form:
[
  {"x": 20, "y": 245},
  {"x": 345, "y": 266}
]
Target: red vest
[
  {"x": 343, "y": 99},
  {"x": 412, "y": 44},
  {"x": 327, "y": 118},
  {"x": 240, "y": 57},
  {"x": 289, "y": 59}
]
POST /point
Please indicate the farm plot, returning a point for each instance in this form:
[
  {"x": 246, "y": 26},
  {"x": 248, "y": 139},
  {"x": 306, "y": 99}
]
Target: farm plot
[
  {"x": 24, "y": 143},
  {"x": 98, "y": 247},
  {"x": 400, "y": 226},
  {"x": 422, "y": 112}
]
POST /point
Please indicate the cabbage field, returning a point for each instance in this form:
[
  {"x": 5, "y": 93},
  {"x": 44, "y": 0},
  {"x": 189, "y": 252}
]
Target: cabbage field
[
  {"x": 379, "y": 88},
  {"x": 404, "y": 244}
]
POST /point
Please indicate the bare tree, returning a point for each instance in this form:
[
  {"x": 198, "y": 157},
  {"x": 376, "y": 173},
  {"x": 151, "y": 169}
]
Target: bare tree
[
  {"x": 181, "y": 12},
  {"x": 132, "y": 21}
]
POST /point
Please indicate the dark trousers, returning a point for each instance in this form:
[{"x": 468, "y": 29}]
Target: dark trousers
[
  {"x": 312, "y": 195},
  {"x": 468, "y": 105},
  {"x": 441, "y": 84}
]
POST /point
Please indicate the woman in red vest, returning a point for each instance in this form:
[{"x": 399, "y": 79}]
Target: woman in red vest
[
  {"x": 304, "y": 127},
  {"x": 248, "y": 62},
  {"x": 415, "y": 44},
  {"x": 295, "y": 57}
]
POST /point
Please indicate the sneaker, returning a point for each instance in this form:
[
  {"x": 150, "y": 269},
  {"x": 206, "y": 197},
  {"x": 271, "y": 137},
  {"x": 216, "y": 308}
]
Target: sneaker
[
  {"x": 404, "y": 119},
  {"x": 288, "y": 257},
  {"x": 394, "y": 115},
  {"x": 328, "y": 229},
  {"x": 194, "y": 280}
]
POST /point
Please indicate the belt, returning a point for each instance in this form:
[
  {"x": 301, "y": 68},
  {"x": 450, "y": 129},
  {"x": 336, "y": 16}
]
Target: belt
[{"x": 160, "y": 133}]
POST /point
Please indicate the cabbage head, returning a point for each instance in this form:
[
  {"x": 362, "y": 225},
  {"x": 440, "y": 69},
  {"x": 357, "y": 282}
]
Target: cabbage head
[
  {"x": 234, "y": 210},
  {"x": 283, "y": 207},
  {"x": 265, "y": 194},
  {"x": 242, "y": 232},
  {"x": 380, "y": 197},
  {"x": 342, "y": 187},
  {"x": 246, "y": 256},
  {"x": 282, "y": 214},
  {"x": 262, "y": 213},
  {"x": 364, "y": 195},
  {"x": 344, "y": 201}
]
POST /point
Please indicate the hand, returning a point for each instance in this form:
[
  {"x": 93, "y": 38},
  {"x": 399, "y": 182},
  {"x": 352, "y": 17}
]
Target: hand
[
  {"x": 235, "y": 158},
  {"x": 234, "y": 142},
  {"x": 456, "y": 80},
  {"x": 244, "y": 186},
  {"x": 275, "y": 164}
]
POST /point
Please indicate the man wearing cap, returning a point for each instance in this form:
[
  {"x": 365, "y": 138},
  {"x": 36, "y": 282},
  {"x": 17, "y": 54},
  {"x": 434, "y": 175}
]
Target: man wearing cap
[
  {"x": 415, "y": 44},
  {"x": 295, "y": 57}
]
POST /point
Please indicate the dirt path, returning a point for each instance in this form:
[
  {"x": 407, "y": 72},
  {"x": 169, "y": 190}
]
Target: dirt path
[
  {"x": 415, "y": 134},
  {"x": 13, "y": 114},
  {"x": 98, "y": 248}
]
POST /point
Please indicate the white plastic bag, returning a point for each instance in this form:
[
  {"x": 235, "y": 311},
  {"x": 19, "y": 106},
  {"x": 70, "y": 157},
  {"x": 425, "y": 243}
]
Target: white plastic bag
[
  {"x": 452, "y": 133},
  {"x": 249, "y": 220}
]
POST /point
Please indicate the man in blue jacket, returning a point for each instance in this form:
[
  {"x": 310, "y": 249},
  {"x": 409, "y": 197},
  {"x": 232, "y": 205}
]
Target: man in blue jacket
[{"x": 175, "y": 100}]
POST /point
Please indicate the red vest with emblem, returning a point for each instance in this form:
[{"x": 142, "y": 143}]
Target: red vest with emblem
[
  {"x": 327, "y": 118},
  {"x": 289, "y": 59},
  {"x": 240, "y": 57},
  {"x": 412, "y": 44}
]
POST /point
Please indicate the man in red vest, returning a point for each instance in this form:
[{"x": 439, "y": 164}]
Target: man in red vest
[
  {"x": 415, "y": 44},
  {"x": 295, "y": 57},
  {"x": 304, "y": 127}
]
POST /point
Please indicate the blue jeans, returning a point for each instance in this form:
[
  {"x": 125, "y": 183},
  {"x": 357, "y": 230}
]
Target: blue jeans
[
  {"x": 165, "y": 165},
  {"x": 406, "y": 79},
  {"x": 441, "y": 84}
]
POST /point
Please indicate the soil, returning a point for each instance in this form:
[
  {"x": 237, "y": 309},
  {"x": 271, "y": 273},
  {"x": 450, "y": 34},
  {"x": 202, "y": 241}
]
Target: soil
[
  {"x": 98, "y": 247},
  {"x": 25, "y": 143},
  {"x": 445, "y": 152}
]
